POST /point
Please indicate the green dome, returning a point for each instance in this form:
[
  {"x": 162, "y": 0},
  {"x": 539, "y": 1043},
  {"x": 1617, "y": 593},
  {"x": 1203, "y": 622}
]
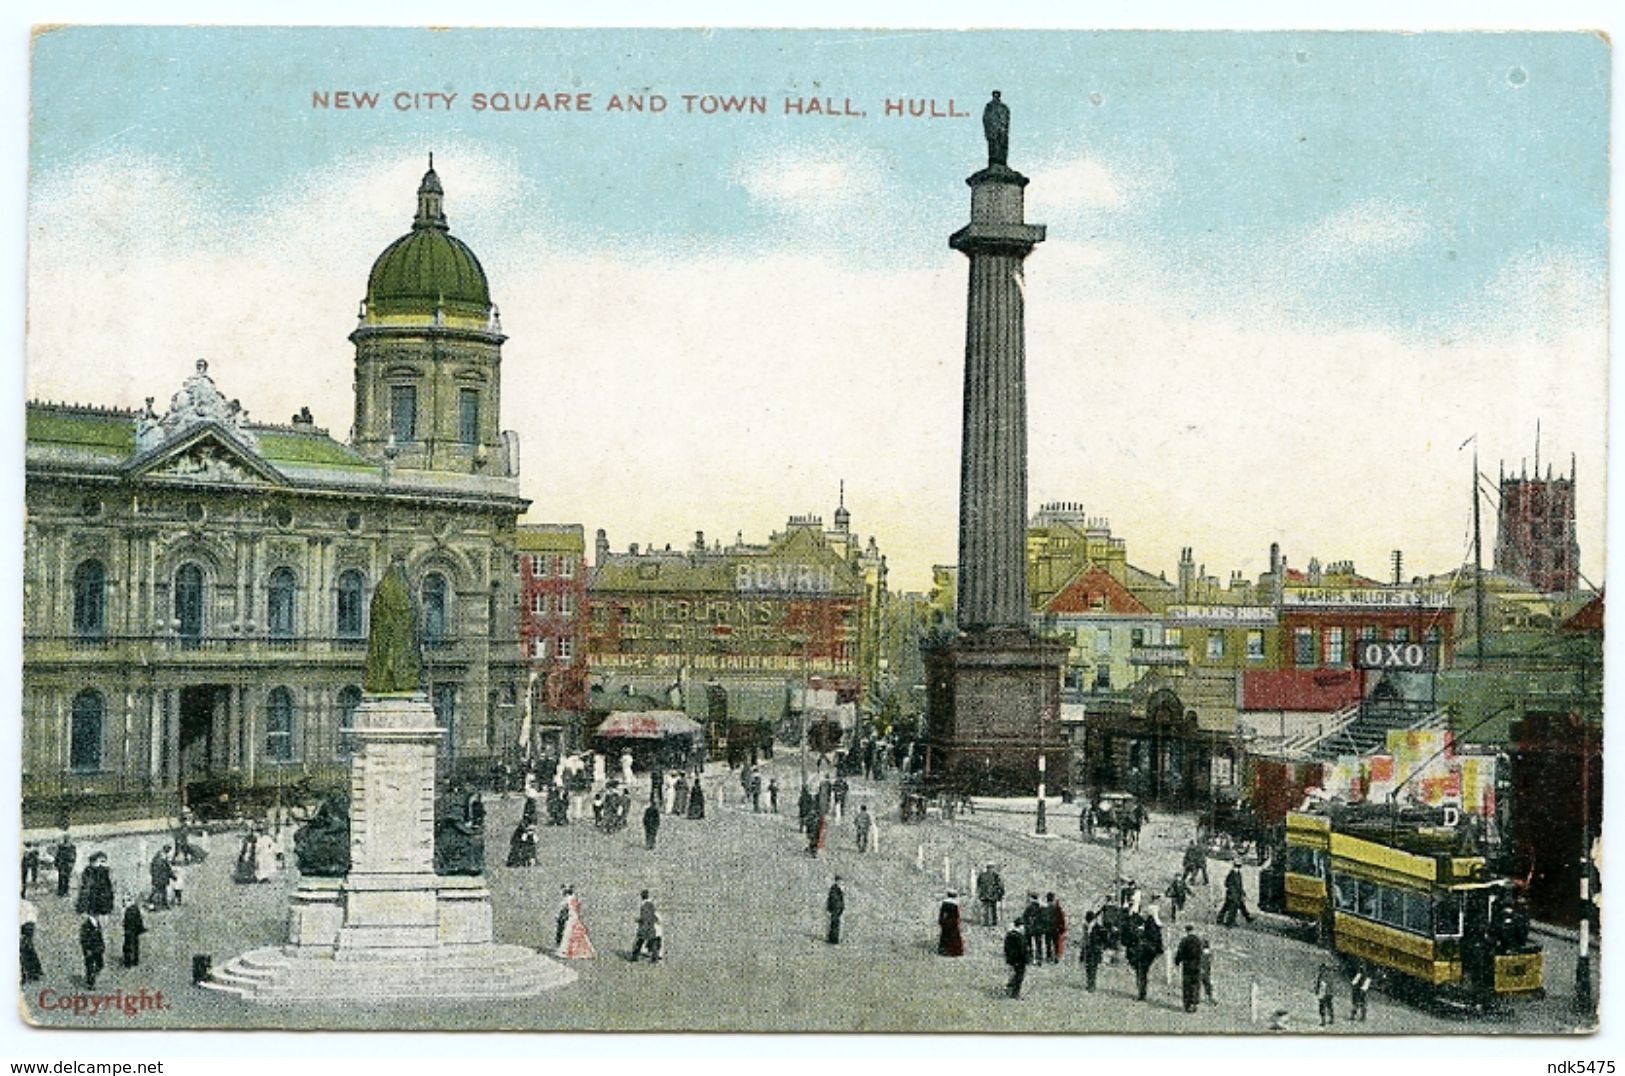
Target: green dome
[{"x": 428, "y": 268}]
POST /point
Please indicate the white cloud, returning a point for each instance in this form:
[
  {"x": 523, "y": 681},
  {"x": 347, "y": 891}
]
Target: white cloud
[
  {"x": 1082, "y": 182},
  {"x": 806, "y": 181},
  {"x": 1362, "y": 229}
]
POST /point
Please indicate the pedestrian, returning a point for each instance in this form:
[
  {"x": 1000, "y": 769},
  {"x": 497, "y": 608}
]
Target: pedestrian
[
  {"x": 950, "y": 941},
  {"x": 804, "y": 808},
  {"x": 773, "y": 795},
  {"x": 696, "y": 799},
  {"x": 563, "y": 918},
  {"x": 1323, "y": 995},
  {"x": 177, "y": 883},
  {"x": 1207, "y": 971},
  {"x": 679, "y": 796},
  {"x": 28, "y": 954},
  {"x": 989, "y": 892},
  {"x": 841, "y": 790},
  {"x": 1178, "y": 893},
  {"x": 30, "y": 867},
  {"x": 864, "y": 825},
  {"x": 1032, "y": 928},
  {"x": 1095, "y": 936},
  {"x": 835, "y": 905},
  {"x": 1045, "y": 953},
  {"x": 1235, "y": 898},
  {"x": 1057, "y": 929},
  {"x": 754, "y": 788},
  {"x": 1144, "y": 946},
  {"x": 651, "y": 826},
  {"x": 1359, "y": 988},
  {"x": 647, "y": 918},
  {"x": 815, "y": 834},
  {"x": 95, "y": 887},
  {"x": 161, "y": 872},
  {"x": 1015, "y": 955},
  {"x": 574, "y": 943},
  {"x": 1195, "y": 864},
  {"x": 522, "y": 846},
  {"x": 134, "y": 927},
  {"x": 1189, "y": 958},
  {"x": 64, "y": 857},
  {"x": 94, "y": 948}
]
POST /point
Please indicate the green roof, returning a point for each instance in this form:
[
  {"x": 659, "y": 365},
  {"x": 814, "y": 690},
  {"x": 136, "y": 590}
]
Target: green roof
[
  {"x": 424, "y": 269},
  {"x": 312, "y": 450},
  {"x": 105, "y": 430}
]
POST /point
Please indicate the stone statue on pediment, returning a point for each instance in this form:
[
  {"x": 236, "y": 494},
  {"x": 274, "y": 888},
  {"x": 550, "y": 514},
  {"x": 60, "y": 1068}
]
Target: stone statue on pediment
[{"x": 394, "y": 660}]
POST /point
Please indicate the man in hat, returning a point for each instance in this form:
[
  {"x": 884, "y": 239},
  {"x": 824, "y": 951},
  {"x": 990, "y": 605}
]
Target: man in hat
[
  {"x": 565, "y": 892},
  {"x": 1189, "y": 958},
  {"x": 647, "y": 918},
  {"x": 989, "y": 891},
  {"x": 94, "y": 947},
  {"x": 1015, "y": 955},
  {"x": 835, "y": 905}
]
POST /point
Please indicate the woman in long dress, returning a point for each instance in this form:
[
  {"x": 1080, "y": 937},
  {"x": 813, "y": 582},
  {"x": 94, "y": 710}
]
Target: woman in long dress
[
  {"x": 576, "y": 945},
  {"x": 950, "y": 942},
  {"x": 264, "y": 857}
]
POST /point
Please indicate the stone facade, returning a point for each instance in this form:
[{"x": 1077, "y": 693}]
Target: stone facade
[{"x": 196, "y": 588}]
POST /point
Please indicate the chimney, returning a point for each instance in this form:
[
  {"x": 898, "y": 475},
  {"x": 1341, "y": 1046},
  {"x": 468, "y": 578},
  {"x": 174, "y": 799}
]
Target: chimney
[{"x": 601, "y": 547}]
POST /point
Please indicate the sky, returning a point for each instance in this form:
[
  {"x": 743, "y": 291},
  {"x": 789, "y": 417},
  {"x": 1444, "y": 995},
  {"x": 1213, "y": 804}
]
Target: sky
[{"x": 1288, "y": 276}]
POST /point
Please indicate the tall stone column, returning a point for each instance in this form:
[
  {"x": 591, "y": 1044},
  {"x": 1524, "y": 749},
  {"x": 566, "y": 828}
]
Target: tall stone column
[
  {"x": 993, "y": 693},
  {"x": 993, "y": 449}
]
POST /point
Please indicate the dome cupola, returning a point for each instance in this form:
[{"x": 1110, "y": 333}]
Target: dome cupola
[{"x": 428, "y": 270}]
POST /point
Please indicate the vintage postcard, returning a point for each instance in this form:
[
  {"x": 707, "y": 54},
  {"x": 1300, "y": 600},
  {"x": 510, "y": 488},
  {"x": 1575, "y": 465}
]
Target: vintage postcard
[{"x": 632, "y": 530}]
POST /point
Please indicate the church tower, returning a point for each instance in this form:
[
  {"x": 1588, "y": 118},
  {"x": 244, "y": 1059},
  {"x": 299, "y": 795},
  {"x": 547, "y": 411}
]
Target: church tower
[{"x": 428, "y": 353}]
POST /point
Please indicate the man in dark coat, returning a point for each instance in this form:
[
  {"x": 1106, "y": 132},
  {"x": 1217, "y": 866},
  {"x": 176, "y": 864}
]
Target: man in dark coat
[
  {"x": 30, "y": 867},
  {"x": 162, "y": 874},
  {"x": 1195, "y": 864},
  {"x": 1095, "y": 936},
  {"x": 95, "y": 887},
  {"x": 1032, "y": 926},
  {"x": 1015, "y": 955},
  {"x": 989, "y": 891},
  {"x": 94, "y": 948},
  {"x": 1235, "y": 898},
  {"x": 696, "y": 800},
  {"x": 65, "y": 856},
  {"x": 804, "y": 808},
  {"x": 1188, "y": 957},
  {"x": 1143, "y": 945},
  {"x": 134, "y": 927},
  {"x": 646, "y": 926},
  {"x": 651, "y": 825},
  {"x": 835, "y": 905}
]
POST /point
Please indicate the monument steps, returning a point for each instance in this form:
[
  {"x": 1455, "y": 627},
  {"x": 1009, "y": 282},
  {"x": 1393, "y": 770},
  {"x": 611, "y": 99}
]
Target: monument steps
[{"x": 272, "y": 975}]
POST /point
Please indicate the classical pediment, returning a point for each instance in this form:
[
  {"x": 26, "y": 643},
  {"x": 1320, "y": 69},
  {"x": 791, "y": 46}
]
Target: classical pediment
[{"x": 207, "y": 455}]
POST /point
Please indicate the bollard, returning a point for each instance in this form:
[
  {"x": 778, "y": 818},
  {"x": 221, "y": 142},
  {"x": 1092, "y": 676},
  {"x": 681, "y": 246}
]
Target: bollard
[{"x": 919, "y": 859}]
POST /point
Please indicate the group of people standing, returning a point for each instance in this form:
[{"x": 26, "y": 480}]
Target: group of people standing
[{"x": 97, "y": 902}]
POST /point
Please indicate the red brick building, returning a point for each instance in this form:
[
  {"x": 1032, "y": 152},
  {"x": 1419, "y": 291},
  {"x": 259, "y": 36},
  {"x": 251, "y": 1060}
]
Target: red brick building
[{"x": 553, "y": 618}]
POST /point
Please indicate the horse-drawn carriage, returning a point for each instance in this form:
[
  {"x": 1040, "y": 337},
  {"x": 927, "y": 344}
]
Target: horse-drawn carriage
[
  {"x": 1114, "y": 817},
  {"x": 1230, "y": 830}
]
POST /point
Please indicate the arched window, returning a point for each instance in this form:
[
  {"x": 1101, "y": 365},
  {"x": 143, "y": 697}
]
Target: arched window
[
  {"x": 349, "y": 700},
  {"x": 85, "y": 737},
  {"x": 279, "y": 605},
  {"x": 434, "y": 610},
  {"x": 279, "y": 725},
  {"x": 189, "y": 604},
  {"x": 351, "y": 612},
  {"x": 89, "y": 600}
]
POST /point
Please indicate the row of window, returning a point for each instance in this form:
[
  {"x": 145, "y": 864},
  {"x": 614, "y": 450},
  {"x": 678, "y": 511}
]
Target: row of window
[
  {"x": 1334, "y": 650},
  {"x": 1402, "y": 909},
  {"x": 403, "y": 414},
  {"x": 89, "y": 718},
  {"x": 541, "y": 567},
  {"x": 563, "y": 648},
  {"x": 542, "y": 604},
  {"x": 281, "y": 603}
]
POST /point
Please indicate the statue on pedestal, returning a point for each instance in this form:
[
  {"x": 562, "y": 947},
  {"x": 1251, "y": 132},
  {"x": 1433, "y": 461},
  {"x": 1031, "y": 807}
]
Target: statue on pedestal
[
  {"x": 996, "y": 126},
  {"x": 394, "y": 660}
]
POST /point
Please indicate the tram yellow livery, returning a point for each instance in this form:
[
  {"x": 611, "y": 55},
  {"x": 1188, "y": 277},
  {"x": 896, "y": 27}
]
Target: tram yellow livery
[{"x": 1400, "y": 893}]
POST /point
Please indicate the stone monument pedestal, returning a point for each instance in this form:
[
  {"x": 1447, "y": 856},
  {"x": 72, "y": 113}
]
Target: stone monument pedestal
[
  {"x": 993, "y": 707},
  {"x": 390, "y": 928}
]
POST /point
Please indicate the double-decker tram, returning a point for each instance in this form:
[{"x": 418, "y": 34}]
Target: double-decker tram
[{"x": 1406, "y": 892}]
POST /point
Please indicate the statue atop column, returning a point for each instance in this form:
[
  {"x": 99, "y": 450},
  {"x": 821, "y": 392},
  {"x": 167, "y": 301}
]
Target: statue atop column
[
  {"x": 394, "y": 662},
  {"x": 996, "y": 125}
]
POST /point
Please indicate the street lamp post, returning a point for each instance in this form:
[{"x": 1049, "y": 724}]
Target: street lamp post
[{"x": 1042, "y": 827}]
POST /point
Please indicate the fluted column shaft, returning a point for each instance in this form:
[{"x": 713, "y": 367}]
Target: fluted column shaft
[{"x": 993, "y": 448}]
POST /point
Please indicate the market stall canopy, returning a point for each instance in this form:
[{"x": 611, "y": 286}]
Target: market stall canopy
[{"x": 647, "y": 725}]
